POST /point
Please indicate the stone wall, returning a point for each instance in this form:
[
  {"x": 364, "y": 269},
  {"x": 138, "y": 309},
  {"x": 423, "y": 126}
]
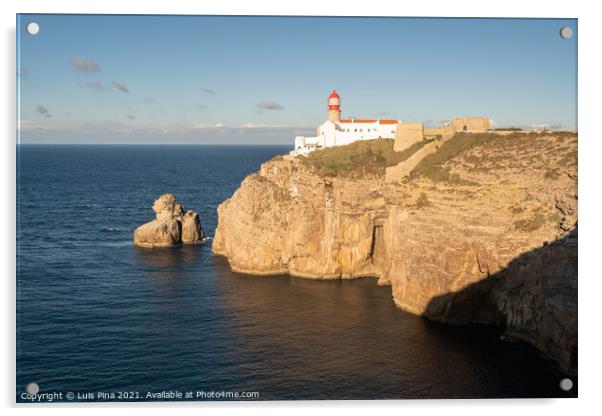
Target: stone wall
[
  {"x": 471, "y": 124},
  {"x": 410, "y": 133},
  {"x": 433, "y": 132},
  {"x": 407, "y": 134},
  {"x": 448, "y": 131}
]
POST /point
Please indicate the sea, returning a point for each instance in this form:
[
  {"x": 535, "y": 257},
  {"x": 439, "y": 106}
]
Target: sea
[{"x": 99, "y": 319}]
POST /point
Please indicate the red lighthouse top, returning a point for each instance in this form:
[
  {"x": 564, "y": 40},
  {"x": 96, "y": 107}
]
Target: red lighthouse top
[{"x": 334, "y": 101}]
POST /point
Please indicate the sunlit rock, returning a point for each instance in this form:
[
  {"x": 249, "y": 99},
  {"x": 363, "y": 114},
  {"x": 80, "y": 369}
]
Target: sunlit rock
[
  {"x": 482, "y": 230},
  {"x": 172, "y": 226}
]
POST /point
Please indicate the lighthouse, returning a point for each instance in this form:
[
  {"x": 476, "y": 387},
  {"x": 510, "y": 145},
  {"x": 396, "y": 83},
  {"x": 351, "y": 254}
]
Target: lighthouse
[
  {"x": 334, "y": 107},
  {"x": 337, "y": 131}
]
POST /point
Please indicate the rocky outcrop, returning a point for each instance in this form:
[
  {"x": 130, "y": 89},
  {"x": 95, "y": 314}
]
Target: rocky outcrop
[
  {"x": 172, "y": 226},
  {"x": 486, "y": 233}
]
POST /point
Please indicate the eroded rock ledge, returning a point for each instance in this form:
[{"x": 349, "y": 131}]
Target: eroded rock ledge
[
  {"x": 172, "y": 226},
  {"x": 481, "y": 232}
]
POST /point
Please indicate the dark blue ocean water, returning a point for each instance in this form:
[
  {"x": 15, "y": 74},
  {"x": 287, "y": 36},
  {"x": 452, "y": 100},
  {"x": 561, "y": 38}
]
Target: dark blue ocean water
[{"x": 95, "y": 314}]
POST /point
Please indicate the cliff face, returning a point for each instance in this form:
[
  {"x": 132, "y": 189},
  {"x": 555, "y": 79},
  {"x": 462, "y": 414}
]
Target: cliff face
[{"x": 482, "y": 230}]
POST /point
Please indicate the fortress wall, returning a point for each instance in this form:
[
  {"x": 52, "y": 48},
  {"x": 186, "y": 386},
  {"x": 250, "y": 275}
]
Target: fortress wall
[
  {"x": 433, "y": 132},
  {"x": 448, "y": 131},
  {"x": 471, "y": 123},
  {"x": 407, "y": 134}
]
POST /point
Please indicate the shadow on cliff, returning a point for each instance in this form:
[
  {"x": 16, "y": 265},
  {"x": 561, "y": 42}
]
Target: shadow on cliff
[{"x": 534, "y": 299}]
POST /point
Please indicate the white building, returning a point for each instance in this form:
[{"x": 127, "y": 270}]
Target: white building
[{"x": 336, "y": 131}]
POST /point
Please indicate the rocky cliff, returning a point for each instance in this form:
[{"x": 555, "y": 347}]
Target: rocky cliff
[{"x": 484, "y": 229}]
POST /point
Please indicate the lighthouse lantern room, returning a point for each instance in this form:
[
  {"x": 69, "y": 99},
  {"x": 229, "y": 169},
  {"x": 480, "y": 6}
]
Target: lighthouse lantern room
[{"x": 334, "y": 107}]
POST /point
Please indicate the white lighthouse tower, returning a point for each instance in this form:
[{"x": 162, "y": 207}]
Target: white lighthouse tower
[{"x": 334, "y": 107}]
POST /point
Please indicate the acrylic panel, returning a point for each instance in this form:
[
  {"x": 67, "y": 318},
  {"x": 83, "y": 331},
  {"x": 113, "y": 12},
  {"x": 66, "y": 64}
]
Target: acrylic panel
[{"x": 295, "y": 208}]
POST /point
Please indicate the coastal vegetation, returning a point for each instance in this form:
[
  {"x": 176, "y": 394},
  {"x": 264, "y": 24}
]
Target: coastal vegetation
[
  {"x": 432, "y": 166},
  {"x": 422, "y": 201},
  {"x": 435, "y": 167},
  {"x": 359, "y": 159},
  {"x": 552, "y": 174},
  {"x": 371, "y": 158},
  {"x": 569, "y": 160},
  {"x": 532, "y": 223}
]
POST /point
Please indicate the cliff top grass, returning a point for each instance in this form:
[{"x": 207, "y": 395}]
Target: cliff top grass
[
  {"x": 432, "y": 166},
  {"x": 359, "y": 159}
]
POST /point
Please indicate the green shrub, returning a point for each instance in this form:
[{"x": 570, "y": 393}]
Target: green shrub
[
  {"x": 516, "y": 209},
  {"x": 422, "y": 201},
  {"x": 530, "y": 224},
  {"x": 554, "y": 217},
  {"x": 551, "y": 174},
  {"x": 569, "y": 160}
]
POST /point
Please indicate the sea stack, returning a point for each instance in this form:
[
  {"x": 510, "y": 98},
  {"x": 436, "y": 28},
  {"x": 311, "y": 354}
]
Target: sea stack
[{"x": 172, "y": 226}]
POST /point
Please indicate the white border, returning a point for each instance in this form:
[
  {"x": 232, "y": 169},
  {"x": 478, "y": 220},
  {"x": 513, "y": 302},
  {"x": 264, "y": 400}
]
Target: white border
[{"x": 589, "y": 211}]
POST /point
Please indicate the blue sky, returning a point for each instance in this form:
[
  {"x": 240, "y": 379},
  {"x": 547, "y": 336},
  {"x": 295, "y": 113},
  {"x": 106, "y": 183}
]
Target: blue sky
[{"x": 195, "y": 79}]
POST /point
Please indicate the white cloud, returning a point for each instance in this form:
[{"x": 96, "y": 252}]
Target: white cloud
[
  {"x": 121, "y": 86},
  {"x": 208, "y": 126},
  {"x": 42, "y": 130},
  {"x": 264, "y": 126},
  {"x": 84, "y": 65},
  {"x": 40, "y": 109},
  {"x": 549, "y": 125},
  {"x": 269, "y": 105},
  {"x": 96, "y": 85},
  {"x": 25, "y": 124}
]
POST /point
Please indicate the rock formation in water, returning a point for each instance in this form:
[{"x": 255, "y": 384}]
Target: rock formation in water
[
  {"x": 172, "y": 226},
  {"x": 483, "y": 230}
]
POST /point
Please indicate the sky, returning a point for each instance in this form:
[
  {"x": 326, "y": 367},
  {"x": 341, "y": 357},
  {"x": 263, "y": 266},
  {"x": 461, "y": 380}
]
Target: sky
[{"x": 263, "y": 80}]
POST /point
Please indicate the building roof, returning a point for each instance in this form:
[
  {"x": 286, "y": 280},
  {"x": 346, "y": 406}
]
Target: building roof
[
  {"x": 334, "y": 94},
  {"x": 359, "y": 120}
]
